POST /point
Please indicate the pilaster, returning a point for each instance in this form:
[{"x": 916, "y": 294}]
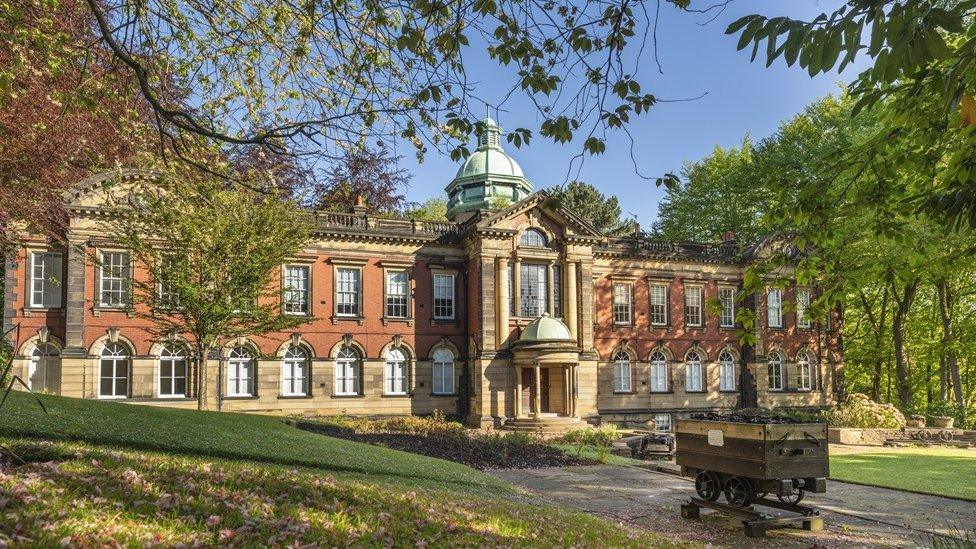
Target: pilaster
[{"x": 74, "y": 317}]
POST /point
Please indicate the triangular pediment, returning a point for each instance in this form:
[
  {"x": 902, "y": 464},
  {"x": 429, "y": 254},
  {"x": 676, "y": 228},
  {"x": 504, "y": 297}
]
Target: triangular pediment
[
  {"x": 111, "y": 189},
  {"x": 542, "y": 208}
]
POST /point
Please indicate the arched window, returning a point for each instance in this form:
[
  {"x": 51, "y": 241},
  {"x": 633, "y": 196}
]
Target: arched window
[
  {"x": 396, "y": 372},
  {"x": 726, "y": 371},
  {"x": 693, "y": 372},
  {"x": 443, "y": 366},
  {"x": 659, "y": 372},
  {"x": 621, "y": 373},
  {"x": 804, "y": 372},
  {"x": 348, "y": 365},
  {"x": 114, "y": 372},
  {"x": 172, "y": 371},
  {"x": 44, "y": 373},
  {"x": 294, "y": 372},
  {"x": 240, "y": 373},
  {"x": 533, "y": 237},
  {"x": 775, "y": 371}
]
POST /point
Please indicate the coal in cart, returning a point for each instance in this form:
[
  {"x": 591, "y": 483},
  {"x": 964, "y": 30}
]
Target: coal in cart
[{"x": 750, "y": 462}]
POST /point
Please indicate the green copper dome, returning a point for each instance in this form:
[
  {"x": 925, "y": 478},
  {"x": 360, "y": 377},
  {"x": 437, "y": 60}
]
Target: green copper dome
[
  {"x": 546, "y": 328},
  {"x": 488, "y": 173}
]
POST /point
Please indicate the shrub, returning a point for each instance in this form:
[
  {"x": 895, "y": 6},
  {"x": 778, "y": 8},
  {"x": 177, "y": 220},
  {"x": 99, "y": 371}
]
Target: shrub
[
  {"x": 601, "y": 438},
  {"x": 861, "y": 412}
]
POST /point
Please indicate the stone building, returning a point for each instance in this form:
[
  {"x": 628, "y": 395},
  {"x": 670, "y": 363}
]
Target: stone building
[{"x": 522, "y": 316}]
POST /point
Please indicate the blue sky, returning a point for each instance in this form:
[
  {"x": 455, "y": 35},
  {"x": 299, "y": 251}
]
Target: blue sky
[{"x": 742, "y": 98}]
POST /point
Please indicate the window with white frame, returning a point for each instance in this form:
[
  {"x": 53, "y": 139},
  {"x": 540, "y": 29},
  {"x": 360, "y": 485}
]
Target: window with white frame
[
  {"x": 775, "y": 371},
  {"x": 726, "y": 371},
  {"x": 168, "y": 296},
  {"x": 44, "y": 371},
  {"x": 240, "y": 373},
  {"x": 443, "y": 372},
  {"x": 662, "y": 422},
  {"x": 533, "y": 237},
  {"x": 727, "y": 298},
  {"x": 113, "y": 379},
  {"x": 396, "y": 372},
  {"x": 295, "y": 371},
  {"x": 534, "y": 289},
  {"x": 659, "y": 304},
  {"x": 693, "y": 305},
  {"x": 803, "y": 308},
  {"x": 774, "y": 308},
  {"x": 621, "y": 303},
  {"x": 693, "y": 372},
  {"x": 397, "y": 288},
  {"x": 621, "y": 373},
  {"x": 348, "y": 367},
  {"x": 443, "y": 296},
  {"x": 46, "y": 279},
  {"x": 114, "y": 276},
  {"x": 804, "y": 372},
  {"x": 295, "y": 285},
  {"x": 172, "y": 371},
  {"x": 659, "y": 372},
  {"x": 347, "y": 291}
]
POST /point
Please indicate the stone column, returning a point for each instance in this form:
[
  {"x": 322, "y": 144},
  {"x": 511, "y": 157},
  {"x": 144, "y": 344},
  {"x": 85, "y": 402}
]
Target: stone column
[
  {"x": 572, "y": 391},
  {"x": 518, "y": 391},
  {"x": 517, "y": 286},
  {"x": 501, "y": 302},
  {"x": 571, "y": 318},
  {"x": 567, "y": 391},
  {"x": 537, "y": 405},
  {"x": 74, "y": 317}
]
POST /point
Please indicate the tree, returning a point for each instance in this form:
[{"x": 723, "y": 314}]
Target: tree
[
  {"x": 370, "y": 175},
  {"x": 433, "y": 209},
  {"x": 212, "y": 255},
  {"x": 592, "y": 205}
]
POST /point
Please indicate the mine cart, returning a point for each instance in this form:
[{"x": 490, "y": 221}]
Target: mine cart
[{"x": 748, "y": 461}]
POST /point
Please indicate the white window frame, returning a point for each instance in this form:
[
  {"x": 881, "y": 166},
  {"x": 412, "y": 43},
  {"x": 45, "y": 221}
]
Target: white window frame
[
  {"x": 166, "y": 298},
  {"x": 659, "y": 372},
  {"x": 726, "y": 297},
  {"x": 774, "y": 308},
  {"x": 775, "y": 372},
  {"x": 348, "y": 290},
  {"x": 805, "y": 377},
  {"x": 622, "y": 373},
  {"x": 49, "y": 283},
  {"x": 124, "y": 278},
  {"x": 803, "y": 297},
  {"x": 348, "y": 371},
  {"x": 396, "y": 294},
  {"x": 241, "y": 367},
  {"x": 726, "y": 371},
  {"x": 667, "y": 421},
  {"x": 445, "y": 307},
  {"x": 120, "y": 357},
  {"x": 694, "y": 373},
  {"x": 395, "y": 372},
  {"x": 296, "y": 290},
  {"x": 623, "y": 299},
  {"x": 442, "y": 372},
  {"x": 45, "y": 358},
  {"x": 694, "y": 306},
  {"x": 296, "y": 366},
  {"x": 658, "y": 296},
  {"x": 173, "y": 354}
]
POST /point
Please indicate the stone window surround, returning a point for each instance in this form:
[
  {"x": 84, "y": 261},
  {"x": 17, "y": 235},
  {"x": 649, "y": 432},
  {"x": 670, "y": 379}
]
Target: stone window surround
[
  {"x": 628, "y": 280},
  {"x": 29, "y": 277},
  {"x": 735, "y": 290},
  {"x": 538, "y": 256},
  {"x": 700, "y": 286},
  {"x": 97, "y": 307},
  {"x": 359, "y": 264},
  {"x": 393, "y": 267},
  {"x": 308, "y": 264},
  {"x": 445, "y": 271},
  {"x": 796, "y": 297}
]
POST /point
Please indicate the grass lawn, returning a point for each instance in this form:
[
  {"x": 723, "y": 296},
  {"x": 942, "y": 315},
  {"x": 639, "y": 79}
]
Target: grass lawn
[
  {"x": 101, "y": 473},
  {"x": 939, "y": 471},
  {"x": 592, "y": 452}
]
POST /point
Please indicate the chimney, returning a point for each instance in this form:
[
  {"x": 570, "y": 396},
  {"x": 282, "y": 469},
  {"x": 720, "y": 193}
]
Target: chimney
[
  {"x": 360, "y": 206},
  {"x": 728, "y": 236},
  {"x": 636, "y": 228}
]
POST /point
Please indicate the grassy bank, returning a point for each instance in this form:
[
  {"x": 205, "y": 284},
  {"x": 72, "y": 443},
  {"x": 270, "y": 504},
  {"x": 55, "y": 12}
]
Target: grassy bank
[{"x": 938, "y": 471}]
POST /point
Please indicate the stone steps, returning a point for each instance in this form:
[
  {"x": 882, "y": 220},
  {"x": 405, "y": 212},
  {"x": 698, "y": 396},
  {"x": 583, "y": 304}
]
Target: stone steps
[{"x": 551, "y": 425}]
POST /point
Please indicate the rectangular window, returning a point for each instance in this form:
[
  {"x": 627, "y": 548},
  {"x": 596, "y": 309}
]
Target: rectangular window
[
  {"x": 727, "y": 297},
  {"x": 693, "y": 376},
  {"x": 443, "y": 377},
  {"x": 347, "y": 292},
  {"x": 295, "y": 378},
  {"x": 774, "y": 308},
  {"x": 444, "y": 297},
  {"x": 693, "y": 305},
  {"x": 396, "y": 377},
  {"x": 347, "y": 377},
  {"x": 397, "y": 286},
  {"x": 240, "y": 377},
  {"x": 557, "y": 291},
  {"x": 167, "y": 296},
  {"x": 45, "y": 279},
  {"x": 621, "y": 376},
  {"x": 803, "y": 308},
  {"x": 511, "y": 290},
  {"x": 534, "y": 289},
  {"x": 659, "y": 376},
  {"x": 621, "y": 304},
  {"x": 726, "y": 375},
  {"x": 115, "y": 272},
  {"x": 659, "y": 305},
  {"x": 296, "y": 290},
  {"x": 662, "y": 422}
]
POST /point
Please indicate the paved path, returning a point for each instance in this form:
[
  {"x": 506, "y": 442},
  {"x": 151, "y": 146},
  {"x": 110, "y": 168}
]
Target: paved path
[{"x": 854, "y": 515}]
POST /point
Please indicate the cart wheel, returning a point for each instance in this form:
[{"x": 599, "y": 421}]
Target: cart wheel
[
  {"x": 794, "y": 498},
  {"x": 738, "y": 492},
  {"x": 945, "y": 436},
  {"x": 925, "y": 435},
  {"x": 708, "y": 485},
  {"x": 761, "y": 495}
]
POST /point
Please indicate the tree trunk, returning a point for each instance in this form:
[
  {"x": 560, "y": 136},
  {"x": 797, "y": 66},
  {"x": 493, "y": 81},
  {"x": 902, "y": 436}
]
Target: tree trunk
[
  {"x": 950, "y": 357},
  {"x": 902, "y": 368},
  {"x": 201, "y": 375},
  {"x": 877, "y": 322}
]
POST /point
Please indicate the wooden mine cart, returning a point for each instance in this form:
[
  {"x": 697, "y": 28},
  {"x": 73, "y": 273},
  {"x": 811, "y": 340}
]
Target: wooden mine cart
[{"x": 747, "y": 461}]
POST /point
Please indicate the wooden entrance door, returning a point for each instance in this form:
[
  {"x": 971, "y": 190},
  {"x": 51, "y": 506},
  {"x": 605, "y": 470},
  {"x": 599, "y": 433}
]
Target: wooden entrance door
[
  {"x": 528, "y": 389},
  {"x": 544, "y": 377}
]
